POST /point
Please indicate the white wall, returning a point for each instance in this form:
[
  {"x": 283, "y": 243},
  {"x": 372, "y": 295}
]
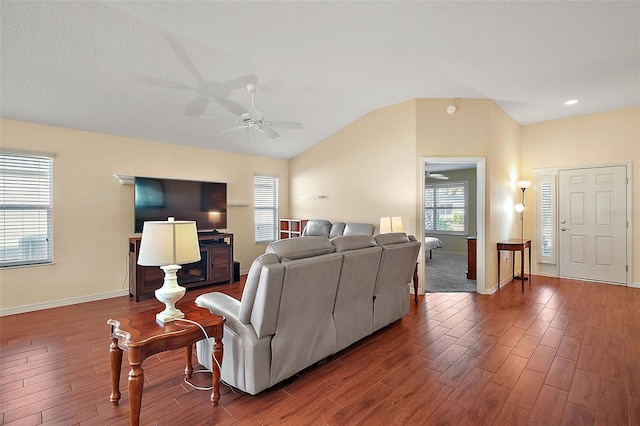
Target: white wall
[{"x": 93, "y": 213}]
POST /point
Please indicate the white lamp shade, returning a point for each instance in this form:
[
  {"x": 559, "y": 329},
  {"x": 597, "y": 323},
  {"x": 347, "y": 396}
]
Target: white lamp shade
[
  {"x": 396, "y": 224},
  {"x": 169, "y": 243},
  {"x": 523, "y": 184},
  {"x": 391, "y": 224}
]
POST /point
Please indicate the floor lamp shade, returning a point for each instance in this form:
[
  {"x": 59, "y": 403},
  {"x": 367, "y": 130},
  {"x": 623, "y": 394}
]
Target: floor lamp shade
[{"x": 168, "y": 245}]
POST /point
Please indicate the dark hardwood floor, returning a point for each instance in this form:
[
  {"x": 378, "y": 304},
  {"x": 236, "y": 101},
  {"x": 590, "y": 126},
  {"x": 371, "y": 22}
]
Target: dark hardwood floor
[{"x": 561, "y": 352}]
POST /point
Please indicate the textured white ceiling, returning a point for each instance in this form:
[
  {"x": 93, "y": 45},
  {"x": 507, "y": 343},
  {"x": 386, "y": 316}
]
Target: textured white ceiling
[{"x": 142, "y": 68}]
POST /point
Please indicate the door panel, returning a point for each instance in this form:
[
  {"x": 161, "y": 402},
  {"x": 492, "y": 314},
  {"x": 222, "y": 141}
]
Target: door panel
[{"x": 593, "y": 238}]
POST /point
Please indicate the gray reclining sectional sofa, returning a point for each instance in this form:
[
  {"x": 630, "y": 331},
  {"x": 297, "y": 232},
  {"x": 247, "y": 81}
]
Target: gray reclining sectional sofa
[{"x": 306, "y": 299}]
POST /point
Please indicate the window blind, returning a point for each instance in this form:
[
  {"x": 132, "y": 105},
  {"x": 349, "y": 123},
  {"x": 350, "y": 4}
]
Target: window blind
[
  {"x": 266, "y": 208},
  {"x": 26, "y": 207},
  {"x": 446, "y": 206}
]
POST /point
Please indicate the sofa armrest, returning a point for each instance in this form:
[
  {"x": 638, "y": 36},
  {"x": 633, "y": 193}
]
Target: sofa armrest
[{"x": 228, "y": 307}]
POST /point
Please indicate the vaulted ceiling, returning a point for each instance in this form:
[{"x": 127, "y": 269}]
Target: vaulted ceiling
[{"x": 150, "y": 69}]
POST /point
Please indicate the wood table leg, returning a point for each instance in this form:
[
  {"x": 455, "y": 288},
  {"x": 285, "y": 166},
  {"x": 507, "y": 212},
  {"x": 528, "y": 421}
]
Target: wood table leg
[
  {"x": 188, "y": 354},
  {"x": 115, "y": 359},
  {"x": 136, "y": 381},
  {"x": 522, "y": 277},
  {"x": 498, "y": 269},
  {"x": 529, "y": 266},
  {"x": 216, "y": 362},
  {"x": 415, "y": 285}
]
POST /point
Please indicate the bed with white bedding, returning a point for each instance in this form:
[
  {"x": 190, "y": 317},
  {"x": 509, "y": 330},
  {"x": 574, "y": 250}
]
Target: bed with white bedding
[{"x": 432, "y": 243}]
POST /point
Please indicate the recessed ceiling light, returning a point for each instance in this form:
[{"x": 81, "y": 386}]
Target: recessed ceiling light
[{"x": 571, "y": 102}]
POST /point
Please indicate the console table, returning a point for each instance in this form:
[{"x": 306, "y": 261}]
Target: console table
[
  {"x": 513, "y": 245},
  {"x": 141, "y": 336},
  {"x": 215, "y": 266}
]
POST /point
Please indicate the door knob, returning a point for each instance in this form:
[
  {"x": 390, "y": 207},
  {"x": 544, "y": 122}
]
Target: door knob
[{"x": 565, "y": 229}]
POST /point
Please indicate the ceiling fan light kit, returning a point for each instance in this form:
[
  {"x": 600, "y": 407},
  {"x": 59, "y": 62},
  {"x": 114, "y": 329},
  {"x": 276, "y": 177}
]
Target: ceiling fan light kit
[{"x": 254, "y": 119}]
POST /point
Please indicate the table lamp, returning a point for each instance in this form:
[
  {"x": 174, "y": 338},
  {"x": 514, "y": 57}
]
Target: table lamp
[
  {"x": 168, "y": 245},
  {"x": 391, "y": 224}
]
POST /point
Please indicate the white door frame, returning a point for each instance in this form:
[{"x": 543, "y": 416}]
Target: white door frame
[{"x": 479, "y": 163}]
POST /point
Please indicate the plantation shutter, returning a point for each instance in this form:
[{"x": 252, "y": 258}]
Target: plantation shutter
[
  {"x": 266, "y": 208},
  {"x": 547, "y": 219},
  {"x": 26, "y": 209}
]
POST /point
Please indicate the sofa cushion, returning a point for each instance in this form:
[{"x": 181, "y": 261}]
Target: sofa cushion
[
  {"x": 391, "y": 238},
  {"x": 299, "y": 248},
  {"x": 337, "y": 229},
  {"x": 251, "y": 286},
  {"x": 353, "y": 242},
  {"x": 358, "y": 229},
  {"x": 317, "y": 228}
]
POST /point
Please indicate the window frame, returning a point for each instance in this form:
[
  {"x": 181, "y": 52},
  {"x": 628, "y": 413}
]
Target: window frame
[
  {"x": 23, "y": 177},
  {"x": 435, "y": 208},
  {"x": 272, "y": 183}
]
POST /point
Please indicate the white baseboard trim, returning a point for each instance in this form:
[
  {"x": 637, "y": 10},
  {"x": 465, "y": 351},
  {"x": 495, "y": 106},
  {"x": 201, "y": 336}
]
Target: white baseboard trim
[
  {"x": 61, "y": 302},
  {"x": 634, "y": 285}
]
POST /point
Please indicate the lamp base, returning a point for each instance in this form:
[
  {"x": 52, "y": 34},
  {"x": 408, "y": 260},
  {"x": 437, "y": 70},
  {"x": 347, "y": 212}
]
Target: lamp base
[
  {"x": 169, "y": 294},
  {"x": 518, "y": 277},
  {"x": 165, "y": 316}
]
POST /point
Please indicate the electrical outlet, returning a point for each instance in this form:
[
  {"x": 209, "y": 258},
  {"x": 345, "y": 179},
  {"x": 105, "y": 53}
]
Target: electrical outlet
[{"x": 507, "y": 259}]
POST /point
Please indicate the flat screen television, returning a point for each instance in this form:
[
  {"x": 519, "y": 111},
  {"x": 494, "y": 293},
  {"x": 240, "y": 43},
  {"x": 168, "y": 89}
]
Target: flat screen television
[{"x": 158, "y": 199}]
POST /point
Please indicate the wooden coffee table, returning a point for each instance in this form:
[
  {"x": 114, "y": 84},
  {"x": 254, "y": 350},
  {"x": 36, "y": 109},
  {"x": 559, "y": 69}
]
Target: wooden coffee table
[{"x": 141, "y": 336}]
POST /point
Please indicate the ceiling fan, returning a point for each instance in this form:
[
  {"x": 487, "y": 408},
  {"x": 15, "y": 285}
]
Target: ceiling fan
[
  {"x": 436, "y": 176},
  {"x": 254, "y": 119}
]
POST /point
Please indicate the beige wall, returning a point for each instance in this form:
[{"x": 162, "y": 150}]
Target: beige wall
[
  {"x": 366, "y": 170},
  {"x": 478, "y": 129},
  {"x": 93, "y": 213},
  {"x": 372, "y": 167},
  {"x": 598, "y": 139},
  {"x": 369, "y": 169}
]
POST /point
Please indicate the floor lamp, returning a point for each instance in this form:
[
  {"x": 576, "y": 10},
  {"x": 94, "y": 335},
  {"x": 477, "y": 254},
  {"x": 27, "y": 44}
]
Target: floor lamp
[{"x": 523, "y": 185}]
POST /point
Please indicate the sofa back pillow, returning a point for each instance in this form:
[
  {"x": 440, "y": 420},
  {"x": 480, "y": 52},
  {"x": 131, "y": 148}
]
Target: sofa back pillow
[
  {"x": 353, "y": 242},
  {"x": 300, "y": 248}
]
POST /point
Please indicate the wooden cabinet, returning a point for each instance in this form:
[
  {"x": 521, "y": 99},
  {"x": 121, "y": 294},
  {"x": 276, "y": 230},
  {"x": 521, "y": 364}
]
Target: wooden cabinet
[
  {"x": 291, "y": 228},
  {"x": 215, "y": 266},
  {"x": 471, "y": 258}
]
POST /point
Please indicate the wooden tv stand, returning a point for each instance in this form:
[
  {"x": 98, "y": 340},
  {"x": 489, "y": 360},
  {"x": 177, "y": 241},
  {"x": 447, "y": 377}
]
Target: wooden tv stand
[{"x": 215, "y": 266}]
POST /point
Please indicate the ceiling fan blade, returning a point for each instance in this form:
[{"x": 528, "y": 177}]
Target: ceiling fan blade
[
  {"x": 159, "y": 82},
  {"x": 232, "y": 129},
  {"x": 268, "y": 132},
  {"x": 197, "y": 106},
  {"x": 231, "y": 106},
  {"x": 184, "y": 58},
  {"x": 255, "y": 114},
  {"x": 284, "y": 124}
]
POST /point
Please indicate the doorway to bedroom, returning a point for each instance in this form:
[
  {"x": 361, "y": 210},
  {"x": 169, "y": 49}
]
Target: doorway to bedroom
[{"x": 453, "y": 224}]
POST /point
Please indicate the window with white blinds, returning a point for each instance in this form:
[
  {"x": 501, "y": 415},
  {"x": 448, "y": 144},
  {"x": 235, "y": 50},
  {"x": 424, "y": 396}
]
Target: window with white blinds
[
  {"x": 266, "y": 208},
  {"x": 26, "y": 207},
  {"x": 547, "y": 219},
  {"x": 446, "y": 207}
]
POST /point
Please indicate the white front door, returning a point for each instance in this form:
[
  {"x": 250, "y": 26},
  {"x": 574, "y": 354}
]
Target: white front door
[{"x": 593, "y": 224}]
